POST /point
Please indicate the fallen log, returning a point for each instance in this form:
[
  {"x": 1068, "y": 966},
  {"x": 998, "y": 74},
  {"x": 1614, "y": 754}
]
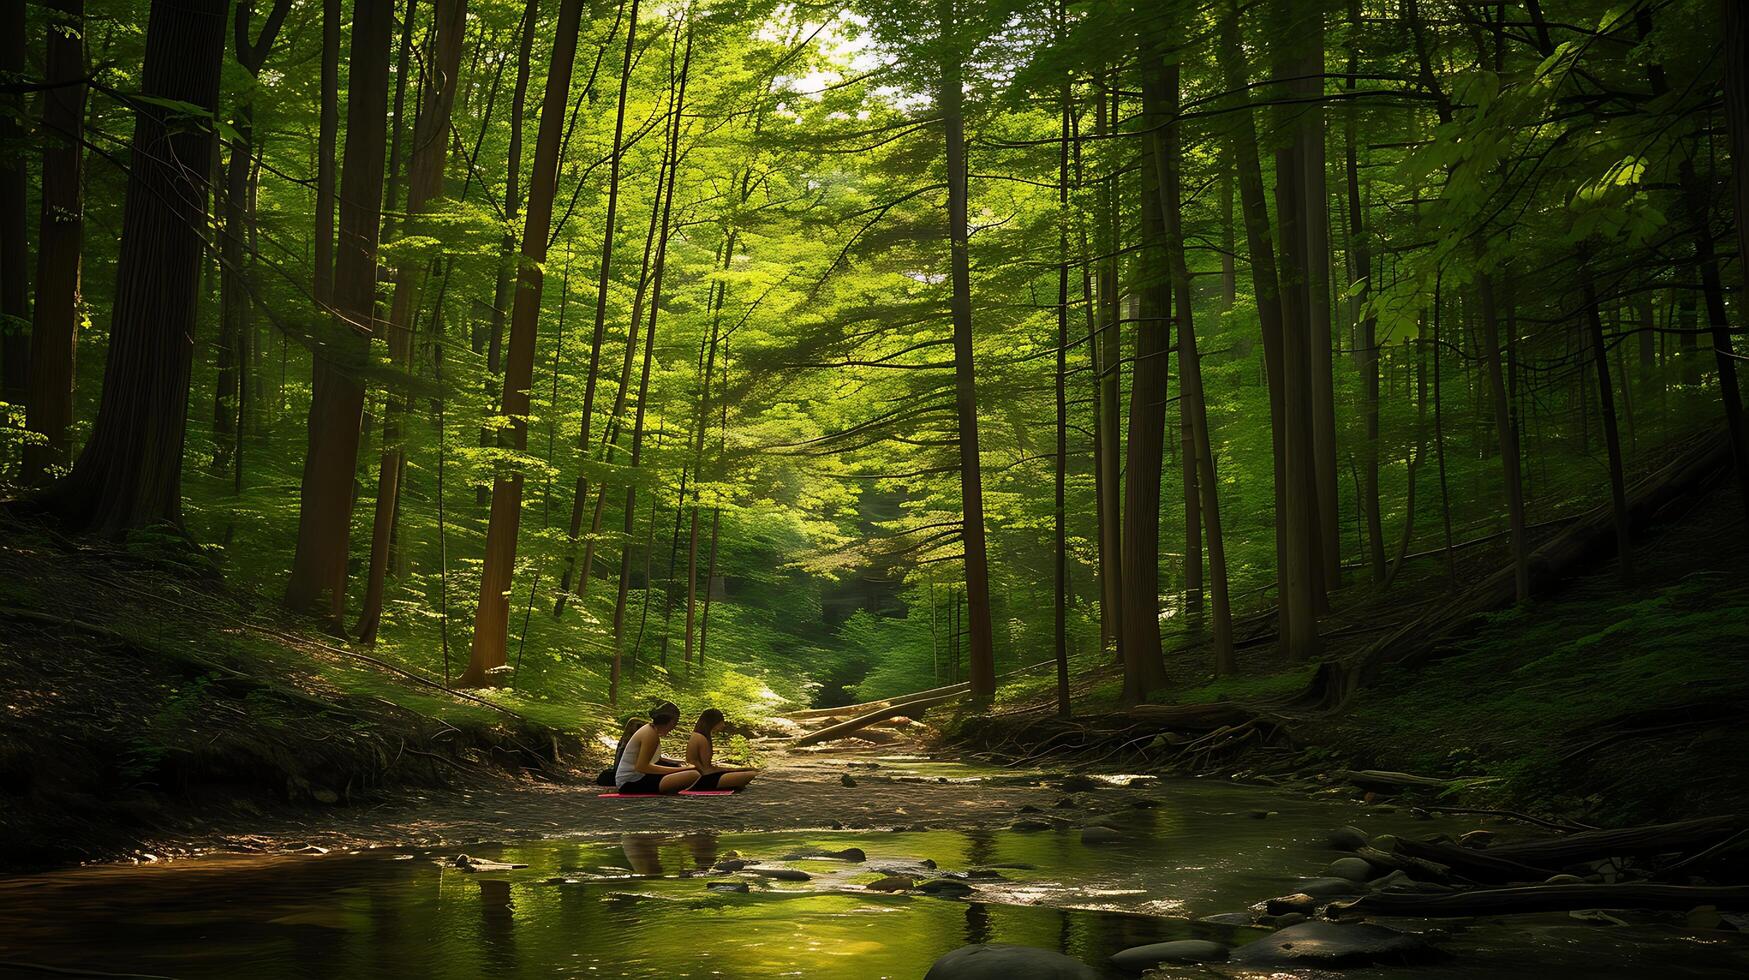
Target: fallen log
[
  {"x": 1543, "y": 898},
  {"x": 1417, "y": 867},
  {"x": 1474, "y": 863},
  {"x": 1594, "y": 845},
  {"x": 1590, "y": 538},
  {"x": 963, "y": 686},
  {"x": 1384, "y": 779},
  {"x": 874, "y": 717}
]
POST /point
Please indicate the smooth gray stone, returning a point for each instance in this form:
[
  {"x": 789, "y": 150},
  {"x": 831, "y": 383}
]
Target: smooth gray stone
[
  {"x": 1140, "y": 958},
  {"x": 998, "y": 962},
  {"x": 726, "y": 886}
]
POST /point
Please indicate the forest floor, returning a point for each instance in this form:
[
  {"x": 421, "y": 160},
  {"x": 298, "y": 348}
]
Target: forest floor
[
  {"x": 1594, "y": 702},
  {"x": 1599, "y": 701},
  {"x": 151, "y": 711}
]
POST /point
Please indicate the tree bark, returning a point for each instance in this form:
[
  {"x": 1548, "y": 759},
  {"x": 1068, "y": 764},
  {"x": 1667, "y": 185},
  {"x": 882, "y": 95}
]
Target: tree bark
[
  {"x": 327, "y": 133},
  {"x": 507, "y": 271},
  {"x": 1611, "y": 438},
  {"x": 318, "y": 576},
  {"x": 130, "y": 472},
  {"x": 952, "y": 100},
  {"x": 1160, "y": 87},
  {"x": 15, "y": 281},
  {"x": 1060, "y": 562},
  {"x": 424, "y": 183},
  {"x": 1360, "y": 251},
  {"x": 1266, "y": 285},
  {"x": 1507, "y": 433},
  {"x": 1301, "y": 583},
  {"x": 54, "y": 328},
  {"x": 234, "y": 303},
  {"x": 492, "y": 615},
  {"x": 1106, "y": 350},
  {"x": 1144, "y": 666}
]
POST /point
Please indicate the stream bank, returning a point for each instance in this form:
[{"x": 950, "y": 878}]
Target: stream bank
[{"x": 947, "y": 861}]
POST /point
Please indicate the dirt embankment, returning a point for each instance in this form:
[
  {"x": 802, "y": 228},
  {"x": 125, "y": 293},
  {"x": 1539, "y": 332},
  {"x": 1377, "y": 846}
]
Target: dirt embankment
[{"x": 143, "y": 700}]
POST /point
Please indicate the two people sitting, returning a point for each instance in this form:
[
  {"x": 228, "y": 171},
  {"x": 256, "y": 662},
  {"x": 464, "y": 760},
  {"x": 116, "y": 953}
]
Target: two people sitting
[{"x": 639, "y": 766}]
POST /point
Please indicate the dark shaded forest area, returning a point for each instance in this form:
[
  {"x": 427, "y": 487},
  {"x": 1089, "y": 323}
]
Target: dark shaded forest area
[{"x": 1334, "y": 398}]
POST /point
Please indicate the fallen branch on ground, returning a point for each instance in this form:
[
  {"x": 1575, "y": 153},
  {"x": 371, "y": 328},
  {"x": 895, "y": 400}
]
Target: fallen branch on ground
[{"x": 1544, "y": 898}]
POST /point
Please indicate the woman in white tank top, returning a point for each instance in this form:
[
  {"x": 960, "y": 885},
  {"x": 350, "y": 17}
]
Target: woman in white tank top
[{"x": 640, "y": 769}]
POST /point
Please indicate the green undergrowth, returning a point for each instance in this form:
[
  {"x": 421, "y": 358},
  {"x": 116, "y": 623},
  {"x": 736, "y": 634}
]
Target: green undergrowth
[{"x": 1585, "y": 704}]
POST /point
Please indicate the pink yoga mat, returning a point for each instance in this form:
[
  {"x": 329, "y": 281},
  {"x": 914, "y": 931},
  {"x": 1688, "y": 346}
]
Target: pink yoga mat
[{"x": 652, "y": 796}]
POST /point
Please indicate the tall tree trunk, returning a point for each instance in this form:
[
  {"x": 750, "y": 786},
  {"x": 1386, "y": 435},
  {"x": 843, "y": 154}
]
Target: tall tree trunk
[
  {"x": 1144, "y": 666},
  {"x": 1229, "y": 275},
  {"x": 234, "y": 302},
  {"x": 1302, "y": 586},
  {"x": 704, "y": 413},
  {"x": 492, "y": 616},
  {"x": 318, "y": 575},
  {"x": 14, "y": 246},
  {"x": 1506, "y": 431},
  {"x": 1266, "y": 284},
  {"x": 1160, "y": 84},
  {"x": 604, "y": 277},
  {"x": 1611, "y": 438},
  {"x": 610, "y": 439},
  {"x": 130, "y": 472},
  {"x": 1439, "y": 444},
  {"x": 507, "y": 271},
  {"x": 1060, "y": 569},
  {"x": 1360, "y": 251},
  {"x": 327, "y": 134},
  {"x": 1694, "y": 195},
  {"x": 952, "y": 107},
  {"x": 1315, "y": 227},
  {"x": 54, "y": 328},
  {"x": 1107, "y": 353},
  {"x": 424, "y": 183}
]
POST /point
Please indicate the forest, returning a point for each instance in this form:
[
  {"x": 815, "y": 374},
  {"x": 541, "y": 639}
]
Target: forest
[{"x": 1107, "y": 461}]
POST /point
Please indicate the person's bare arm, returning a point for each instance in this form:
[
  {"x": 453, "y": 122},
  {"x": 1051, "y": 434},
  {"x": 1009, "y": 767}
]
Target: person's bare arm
[{"x": 646, "y": 760}]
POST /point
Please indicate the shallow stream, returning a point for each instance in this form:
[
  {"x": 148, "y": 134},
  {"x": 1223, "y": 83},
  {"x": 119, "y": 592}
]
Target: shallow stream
[{"x": 637, "y": 905}]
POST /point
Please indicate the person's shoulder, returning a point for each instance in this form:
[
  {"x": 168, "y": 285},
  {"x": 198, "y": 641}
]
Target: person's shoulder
[{"x": 695, "y": 736}]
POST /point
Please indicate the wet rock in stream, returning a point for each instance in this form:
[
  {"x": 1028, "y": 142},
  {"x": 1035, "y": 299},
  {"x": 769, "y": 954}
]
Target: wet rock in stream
[
  {"x": 891, "y": 883},
  {"x": 1352, "y": 869},
  {"x": 1096, "y": 834},
  {"x": 1334, "y": 944},
  {"x": 1140, "y": 958},
  {"x": 727, "y": 886},
  {"x": 781, "y": 874},
  {"x": 1349, "y": 839},
  {"x": 946, "y": 888},
  {"x": 996, "y": 962}
]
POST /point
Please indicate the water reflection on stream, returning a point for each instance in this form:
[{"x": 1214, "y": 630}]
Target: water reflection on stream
[{"x": 637, "y": 905}]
